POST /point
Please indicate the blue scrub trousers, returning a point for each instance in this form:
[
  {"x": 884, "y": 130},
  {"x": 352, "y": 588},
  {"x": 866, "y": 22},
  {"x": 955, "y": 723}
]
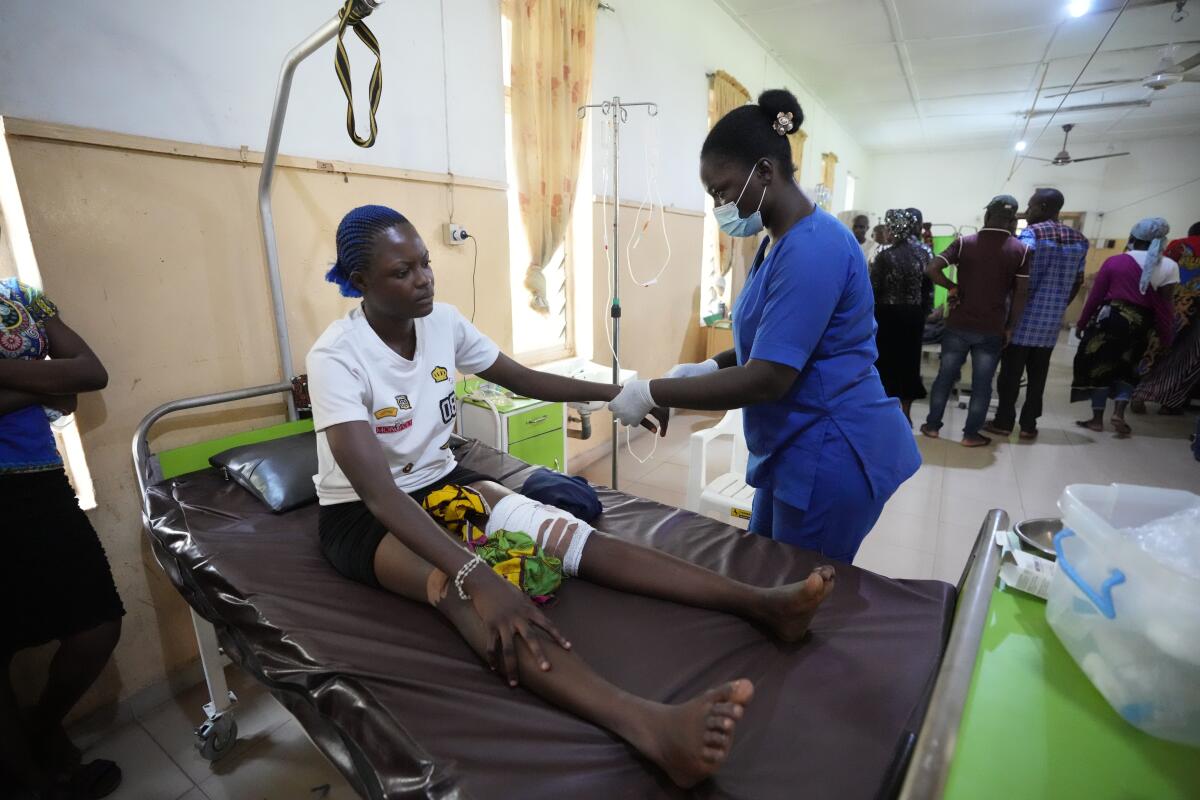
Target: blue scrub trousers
[{"x": 841, "y": 513}]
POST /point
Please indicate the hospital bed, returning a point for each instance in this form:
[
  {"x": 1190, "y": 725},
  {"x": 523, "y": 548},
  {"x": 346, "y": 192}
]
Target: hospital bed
[{"x": 397, "y": 701}]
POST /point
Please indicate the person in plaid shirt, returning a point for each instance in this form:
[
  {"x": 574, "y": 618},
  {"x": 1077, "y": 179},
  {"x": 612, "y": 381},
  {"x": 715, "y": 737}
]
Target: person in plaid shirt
[{"x": 1058, "y": 253}]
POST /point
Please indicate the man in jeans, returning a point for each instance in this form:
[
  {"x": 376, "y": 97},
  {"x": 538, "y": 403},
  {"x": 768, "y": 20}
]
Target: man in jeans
[
  {"x": 1057, "y": 255},
  {"x": 985, "y": 303}
]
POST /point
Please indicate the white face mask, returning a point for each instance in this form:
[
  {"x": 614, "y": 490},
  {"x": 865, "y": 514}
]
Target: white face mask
[{"x": 732, "y": 223}]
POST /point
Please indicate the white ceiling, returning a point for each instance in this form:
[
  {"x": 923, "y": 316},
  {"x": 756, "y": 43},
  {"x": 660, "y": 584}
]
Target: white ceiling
[{"x": 922, "y": 74}]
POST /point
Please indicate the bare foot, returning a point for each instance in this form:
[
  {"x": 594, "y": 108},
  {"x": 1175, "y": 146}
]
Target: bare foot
[
  {"x": 693, "y": 739},
  {"x": 1091, "y": 425},
  {"x": 930, "y": 432},
  {"x": 1121, "y": 427},
  {"x": 789, "y": 609},
  {"x": 975, "y": 440}
]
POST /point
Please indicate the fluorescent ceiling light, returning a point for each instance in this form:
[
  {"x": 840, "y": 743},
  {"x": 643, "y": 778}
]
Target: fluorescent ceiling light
[
  {"x": 1020, "y": 146},
  {"x": 1077, "y": 8}
]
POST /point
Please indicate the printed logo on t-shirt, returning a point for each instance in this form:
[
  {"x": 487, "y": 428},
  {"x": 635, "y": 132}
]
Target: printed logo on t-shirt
[
  {"x": 402, "y": 402},
  {"x": 440, "y": 374},
  {"x": 449, "y": 408},
  {"x": 397, "y": 428},
  {"x": 384, "y": 413}
]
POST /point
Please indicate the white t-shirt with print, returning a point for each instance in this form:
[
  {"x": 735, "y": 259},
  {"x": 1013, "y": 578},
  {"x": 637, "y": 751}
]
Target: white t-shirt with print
[
  {"x": 353, "y": 376},
  {"x": 1165, "y": 274}
]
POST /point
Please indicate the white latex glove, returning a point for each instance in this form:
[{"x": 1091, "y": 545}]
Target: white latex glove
[
  {"x": 633, "y": 404},
  {"x": 692, "y": 370}
]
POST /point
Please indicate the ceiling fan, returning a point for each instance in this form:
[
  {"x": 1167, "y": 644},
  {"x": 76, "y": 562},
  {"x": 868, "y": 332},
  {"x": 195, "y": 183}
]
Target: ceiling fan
[
  {"x": 1063, "y": 158},
  {"x": 1168, "y": 73}
]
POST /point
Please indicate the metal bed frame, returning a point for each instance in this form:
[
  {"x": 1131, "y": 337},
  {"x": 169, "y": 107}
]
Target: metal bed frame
[{"x": 215, "y": 736}]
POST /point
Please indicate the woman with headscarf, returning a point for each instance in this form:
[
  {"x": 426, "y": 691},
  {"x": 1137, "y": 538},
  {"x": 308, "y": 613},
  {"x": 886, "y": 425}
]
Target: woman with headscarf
[
  {"x": 1122, "y": 310},
  {"x": 897, "y": 278}
]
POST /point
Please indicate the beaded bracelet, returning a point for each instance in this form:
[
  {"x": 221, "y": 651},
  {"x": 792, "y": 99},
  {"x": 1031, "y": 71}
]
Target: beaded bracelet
[{"x": 462, "y": 574}]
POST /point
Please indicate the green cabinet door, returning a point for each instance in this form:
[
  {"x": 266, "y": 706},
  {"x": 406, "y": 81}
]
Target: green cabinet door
[
  {"x": 545, "y": 450},
  {"x": 535, "y": 422}
]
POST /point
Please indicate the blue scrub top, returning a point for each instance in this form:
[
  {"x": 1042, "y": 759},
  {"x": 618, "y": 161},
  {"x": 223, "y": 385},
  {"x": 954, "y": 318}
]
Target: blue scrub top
[{"x": 808, "y": 304}]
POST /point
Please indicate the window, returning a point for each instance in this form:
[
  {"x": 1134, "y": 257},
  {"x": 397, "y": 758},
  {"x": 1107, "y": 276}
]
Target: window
[
  {"x": 536, "y": 336},
  {"x": 849, "y": 204}
]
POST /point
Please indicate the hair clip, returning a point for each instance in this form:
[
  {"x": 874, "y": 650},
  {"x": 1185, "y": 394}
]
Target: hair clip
[{"x": 783, "y": 123}]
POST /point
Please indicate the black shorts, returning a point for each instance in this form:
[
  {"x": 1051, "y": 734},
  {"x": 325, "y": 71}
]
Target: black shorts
[
  {"x": 55, "y": 580},
  {"x": 350, "y": 534}
]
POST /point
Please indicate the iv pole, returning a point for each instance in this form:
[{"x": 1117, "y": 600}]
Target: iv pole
[
  {"x": 616, "y": 110},
  {"x": 278, "y": 111}
]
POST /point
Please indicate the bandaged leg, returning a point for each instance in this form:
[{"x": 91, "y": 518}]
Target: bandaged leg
[{"x": 557, "y": 532}]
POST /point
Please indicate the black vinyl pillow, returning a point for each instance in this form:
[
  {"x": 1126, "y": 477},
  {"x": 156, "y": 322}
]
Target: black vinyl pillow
[{"x": 279, "y": 472}]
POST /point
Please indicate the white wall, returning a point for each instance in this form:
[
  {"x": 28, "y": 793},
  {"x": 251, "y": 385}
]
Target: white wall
[
  {"x": 662, "y": 51},
  {"x": 953, "y": 186},
  {"x": 206, "y": 72}
]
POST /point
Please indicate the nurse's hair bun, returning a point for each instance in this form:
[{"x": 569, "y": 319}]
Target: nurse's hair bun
[{"x": 782, "y": 109}]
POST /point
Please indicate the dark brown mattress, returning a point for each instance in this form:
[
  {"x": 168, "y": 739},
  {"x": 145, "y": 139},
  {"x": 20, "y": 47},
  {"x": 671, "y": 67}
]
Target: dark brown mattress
[{"x": 399, "y": 702}]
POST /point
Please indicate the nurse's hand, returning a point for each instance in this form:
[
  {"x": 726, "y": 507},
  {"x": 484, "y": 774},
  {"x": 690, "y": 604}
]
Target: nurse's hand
[
  {"x": 633, "y": 404},
  {"x": 692, "y": 370}
]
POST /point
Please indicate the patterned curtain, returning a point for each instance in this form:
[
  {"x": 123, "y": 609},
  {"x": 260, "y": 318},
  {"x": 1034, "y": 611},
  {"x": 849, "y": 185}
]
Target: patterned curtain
[
  {"x": 552, "y": 44},
  {"x": 724, "y": 95}
]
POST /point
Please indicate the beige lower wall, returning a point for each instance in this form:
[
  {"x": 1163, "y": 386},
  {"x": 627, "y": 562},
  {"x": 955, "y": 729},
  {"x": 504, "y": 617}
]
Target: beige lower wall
[{"x": 156, "y": 260}]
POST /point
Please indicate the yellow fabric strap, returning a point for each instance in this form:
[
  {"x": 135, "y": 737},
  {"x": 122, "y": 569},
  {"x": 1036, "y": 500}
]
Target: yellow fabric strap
[{"x": 341, "y": 65}]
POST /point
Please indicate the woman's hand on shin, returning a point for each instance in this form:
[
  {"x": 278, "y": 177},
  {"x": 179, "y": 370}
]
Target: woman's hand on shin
[{"x": 507, "y": 615}]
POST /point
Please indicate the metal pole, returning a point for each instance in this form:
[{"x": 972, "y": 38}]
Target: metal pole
[
  {"x": 282, "y": 91},
  {"x": 615, "y": 310}
]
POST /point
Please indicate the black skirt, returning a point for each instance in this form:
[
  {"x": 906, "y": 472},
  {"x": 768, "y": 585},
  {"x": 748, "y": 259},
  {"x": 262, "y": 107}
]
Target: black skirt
[
  {"x": 1111, "y": 348},
  {"x": 350, "y": 533},
  {"x": 55, "y": 580},
  {"x": 898, "y": 340}
]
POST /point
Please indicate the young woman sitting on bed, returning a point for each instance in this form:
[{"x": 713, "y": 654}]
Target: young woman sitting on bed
[{"x": 382, "y": 386}]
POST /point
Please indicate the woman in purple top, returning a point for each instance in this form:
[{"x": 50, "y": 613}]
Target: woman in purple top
[{"x": 1121, "y": 311}]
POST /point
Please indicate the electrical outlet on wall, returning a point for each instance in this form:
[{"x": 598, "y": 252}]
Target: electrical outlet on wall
[{"x": 454, "y": 234}]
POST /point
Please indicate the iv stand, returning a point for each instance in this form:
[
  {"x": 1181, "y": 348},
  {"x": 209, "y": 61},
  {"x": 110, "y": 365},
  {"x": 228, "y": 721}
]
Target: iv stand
[{"x": 616, "y": 110}]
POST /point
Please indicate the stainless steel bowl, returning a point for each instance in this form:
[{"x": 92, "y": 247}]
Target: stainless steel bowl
[{"x": 1039, "y": 533}]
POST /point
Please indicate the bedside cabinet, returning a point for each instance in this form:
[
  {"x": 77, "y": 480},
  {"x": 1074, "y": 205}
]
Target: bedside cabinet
[{"x": 532, "y": 430}]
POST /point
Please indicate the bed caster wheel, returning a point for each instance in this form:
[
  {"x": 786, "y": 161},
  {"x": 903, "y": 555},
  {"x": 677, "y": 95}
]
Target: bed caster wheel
[{"x": 216, "y": 737}]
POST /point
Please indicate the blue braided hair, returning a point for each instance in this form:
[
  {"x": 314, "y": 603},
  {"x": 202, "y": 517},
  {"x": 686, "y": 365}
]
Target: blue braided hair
[{"x": 356, "y": 241}]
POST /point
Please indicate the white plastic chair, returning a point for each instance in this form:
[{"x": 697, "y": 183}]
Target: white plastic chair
[{"x": 727, "y": 498}]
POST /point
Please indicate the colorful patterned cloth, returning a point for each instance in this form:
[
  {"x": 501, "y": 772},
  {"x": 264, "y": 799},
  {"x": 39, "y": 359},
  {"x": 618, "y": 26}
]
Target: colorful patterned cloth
[
  {"x": 1058, "y": 255},
  {"x": 513, "y": 555},
  {"x": 26, "y": 441}
]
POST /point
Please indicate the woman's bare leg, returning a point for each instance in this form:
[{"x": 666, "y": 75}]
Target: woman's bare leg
[
  {"x": 616, "y": 563},
  {"x": 688, "y": 741}
]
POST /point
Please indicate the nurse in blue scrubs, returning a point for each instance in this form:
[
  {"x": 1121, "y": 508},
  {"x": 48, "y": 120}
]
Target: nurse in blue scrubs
[{"x": 827, "y": 445}]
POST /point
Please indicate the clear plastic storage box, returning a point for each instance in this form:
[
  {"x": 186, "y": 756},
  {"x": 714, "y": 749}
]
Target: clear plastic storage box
[{"x": 1129, "y": 621}]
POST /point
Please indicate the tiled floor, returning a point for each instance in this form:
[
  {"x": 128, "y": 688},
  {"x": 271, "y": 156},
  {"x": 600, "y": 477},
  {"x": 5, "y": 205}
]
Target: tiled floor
[{"x": 925, "y": 531}]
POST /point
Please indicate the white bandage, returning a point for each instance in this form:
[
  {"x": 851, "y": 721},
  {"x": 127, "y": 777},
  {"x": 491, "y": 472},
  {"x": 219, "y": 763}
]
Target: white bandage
[{"x": 559, "y": 533}]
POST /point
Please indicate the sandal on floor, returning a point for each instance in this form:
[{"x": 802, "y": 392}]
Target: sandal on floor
[
  {"x": 979, "y": 440},
  {"x": 1029, "y": 435},
  {"x": 992, "y": 427},
  {"x": 930, "y": 432},
  {"x": 1121, "y": 427},
  {"x": 95, "y": 779},
  {"x": 1091, "y": 426}
]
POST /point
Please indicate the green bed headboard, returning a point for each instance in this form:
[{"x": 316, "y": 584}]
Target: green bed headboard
[{"x": 194, "y": 457}]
